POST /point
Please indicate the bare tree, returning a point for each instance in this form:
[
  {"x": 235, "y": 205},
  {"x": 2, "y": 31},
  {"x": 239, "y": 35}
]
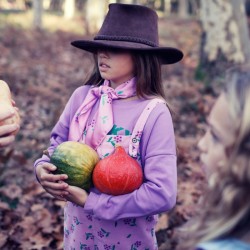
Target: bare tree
[
  {"x": 38, "y": 11},
  {"x": 95, "y": 11},
  {"x": 225, "y": 36},
  {"x": 183, "y": 8},
  {"x": 69, "y": 9}
]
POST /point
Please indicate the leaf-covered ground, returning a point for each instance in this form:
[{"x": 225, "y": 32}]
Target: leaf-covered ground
[{"x": 42, "y": 70}]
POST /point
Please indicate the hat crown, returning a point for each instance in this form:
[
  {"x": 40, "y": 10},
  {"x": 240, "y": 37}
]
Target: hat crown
[
  {"x": 131, "y": 23},
  {"x": 130, "y": 27}
]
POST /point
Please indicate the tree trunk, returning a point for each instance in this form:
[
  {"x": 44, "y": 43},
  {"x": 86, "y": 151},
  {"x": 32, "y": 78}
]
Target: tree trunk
[
  {"x": 183, "y": 8},
  {"x": 69, "y": 9},
  {"x": 95, "y": 11},
  {"x": 38, "y": 11},
  {"x": 225, "y": 35},
  {"x": 167, "y": 7}
]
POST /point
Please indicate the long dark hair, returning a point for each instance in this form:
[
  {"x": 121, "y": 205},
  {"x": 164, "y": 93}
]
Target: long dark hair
[{"x": 147, "y": 72}]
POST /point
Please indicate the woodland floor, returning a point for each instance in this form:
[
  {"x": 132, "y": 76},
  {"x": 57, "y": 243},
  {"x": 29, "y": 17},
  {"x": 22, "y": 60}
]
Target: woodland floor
[{"x": 42, "y": 70}]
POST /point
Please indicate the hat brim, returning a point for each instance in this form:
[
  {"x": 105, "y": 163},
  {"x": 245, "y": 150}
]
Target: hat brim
[{"x": 167, "y": 55}]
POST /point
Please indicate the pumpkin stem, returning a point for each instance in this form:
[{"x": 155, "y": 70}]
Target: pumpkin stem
[
  {"x": 120, "y": 149},
  {"x": 46, "y": 152}
]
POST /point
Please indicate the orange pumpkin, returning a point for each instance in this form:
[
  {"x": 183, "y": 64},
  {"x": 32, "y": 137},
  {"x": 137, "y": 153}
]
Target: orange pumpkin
[
  {"x": 6, "y": 104},
  {"x": 117, "y": 174}
]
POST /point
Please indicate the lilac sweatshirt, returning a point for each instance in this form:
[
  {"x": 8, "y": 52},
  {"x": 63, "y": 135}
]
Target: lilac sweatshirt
[{"x": 158, "y": 151}]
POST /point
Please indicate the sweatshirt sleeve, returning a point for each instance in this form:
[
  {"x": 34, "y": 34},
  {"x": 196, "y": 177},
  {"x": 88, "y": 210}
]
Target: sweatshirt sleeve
[
  {"x": 158, "y": 192},
  {"x": 60, "y": 131}
]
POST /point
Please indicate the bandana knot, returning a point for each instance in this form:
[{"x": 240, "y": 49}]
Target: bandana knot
[{"x": 93, "y": 132}]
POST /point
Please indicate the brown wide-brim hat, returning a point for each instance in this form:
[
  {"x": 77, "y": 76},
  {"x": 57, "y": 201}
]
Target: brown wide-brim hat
[{"x": 130, "y": 27}]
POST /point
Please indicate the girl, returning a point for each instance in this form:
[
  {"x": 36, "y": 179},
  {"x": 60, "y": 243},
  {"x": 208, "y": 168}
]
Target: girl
[
  {"x": 224, "y": 222},
  {"x": 121, "y": 103}
]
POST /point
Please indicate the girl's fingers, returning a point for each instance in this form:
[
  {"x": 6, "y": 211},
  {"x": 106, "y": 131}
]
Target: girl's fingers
[
  {"x": 53, "y": 178},
  {"x": 61, "y": 198},
  {"x": 56, "y": 195},
  {"x": 48, "y": 167},
  {"x": 52, "y": 183},
  {"x": 57, "y": 192},
  {"x": 61, "y": 186}
]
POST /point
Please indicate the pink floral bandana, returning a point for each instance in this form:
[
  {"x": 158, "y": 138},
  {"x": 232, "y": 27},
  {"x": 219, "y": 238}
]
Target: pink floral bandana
[{"x": 102, "y": 121}]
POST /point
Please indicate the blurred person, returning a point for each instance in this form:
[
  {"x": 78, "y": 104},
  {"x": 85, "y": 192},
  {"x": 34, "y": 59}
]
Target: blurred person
[{"x": 223, "y": 220}]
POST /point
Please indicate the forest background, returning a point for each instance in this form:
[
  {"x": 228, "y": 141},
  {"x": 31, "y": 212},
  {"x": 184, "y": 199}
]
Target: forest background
[{"x": 42, "y": 70}]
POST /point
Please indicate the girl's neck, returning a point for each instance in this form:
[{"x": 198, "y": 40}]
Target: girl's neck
[{"x": 114, "y": 85}]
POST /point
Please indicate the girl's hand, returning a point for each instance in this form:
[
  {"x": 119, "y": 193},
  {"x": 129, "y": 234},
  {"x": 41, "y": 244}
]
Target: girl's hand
[
  {"x": 53, "y": 184},
  {"x": 76, "y": 195}
]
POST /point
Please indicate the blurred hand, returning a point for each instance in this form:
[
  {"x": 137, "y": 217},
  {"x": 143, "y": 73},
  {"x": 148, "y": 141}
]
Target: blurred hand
[
  {"x": 13, "y": 103},
  {"x": 5, "y": 130},
  {"x": 53, "y": 184}
]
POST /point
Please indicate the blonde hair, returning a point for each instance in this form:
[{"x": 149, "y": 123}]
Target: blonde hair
[{"x": 225, "y": 206}]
